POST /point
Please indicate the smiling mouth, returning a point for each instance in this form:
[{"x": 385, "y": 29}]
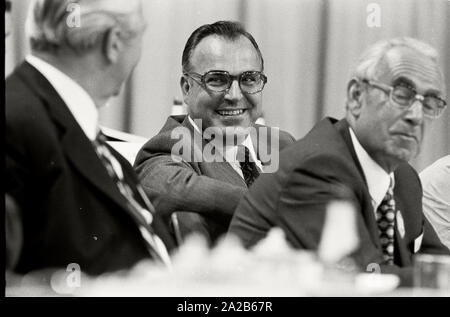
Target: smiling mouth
[{"x": 231, "y": 113}]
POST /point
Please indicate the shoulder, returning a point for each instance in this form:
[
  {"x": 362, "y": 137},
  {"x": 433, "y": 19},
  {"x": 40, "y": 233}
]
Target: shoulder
[
  {"x": 25, "y": 112},
  {"x": 323, "y": 145},
  {"x": 272, "y": 136},
  {"x": 174, "y": 131},
  {"x": 321, "y": 159},
  {"x": 20, "y": 99}
]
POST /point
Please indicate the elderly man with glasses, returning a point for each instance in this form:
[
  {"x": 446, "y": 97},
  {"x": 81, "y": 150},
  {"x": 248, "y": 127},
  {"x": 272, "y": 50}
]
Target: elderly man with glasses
[
  {"x": 397, "y": 89},
  {"x": 200, "y": 165}
]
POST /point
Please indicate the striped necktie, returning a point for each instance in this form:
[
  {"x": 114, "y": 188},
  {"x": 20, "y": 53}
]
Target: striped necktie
[
  {"x": 386, "y": 224},
  {"x": 249, "y": 169},
  {"x": 142, "y": 216}
]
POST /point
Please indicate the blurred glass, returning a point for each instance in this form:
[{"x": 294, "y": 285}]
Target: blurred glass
[{"x": 432, "y": 271}]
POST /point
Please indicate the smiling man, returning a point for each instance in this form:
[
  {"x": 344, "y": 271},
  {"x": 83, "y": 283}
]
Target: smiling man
[
  {"x": 397, "y": 89},
  {"x": 200, "y": 165}
]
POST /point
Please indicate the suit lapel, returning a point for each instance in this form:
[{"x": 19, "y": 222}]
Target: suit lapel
[
  {"x": 76, "y": 146},
  {"x": 80, "y": 152},
  {"x": 368, "y": 213},
  {"x": 402, "y": 254}
]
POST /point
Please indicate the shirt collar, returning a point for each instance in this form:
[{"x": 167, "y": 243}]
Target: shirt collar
[
  {"x": 377, "y": 179},
  {"x": 78, "y": 101},
  {"x": 194, "y": 124},
  {"x": 230, "y": 154}
]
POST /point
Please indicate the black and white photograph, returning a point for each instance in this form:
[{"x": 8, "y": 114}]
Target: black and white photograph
[{"x": 233, "y": 151}]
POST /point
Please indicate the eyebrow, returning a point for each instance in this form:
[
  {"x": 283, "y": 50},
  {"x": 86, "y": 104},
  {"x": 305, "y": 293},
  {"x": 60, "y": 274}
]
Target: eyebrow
[{"x": 404, "y": 80}]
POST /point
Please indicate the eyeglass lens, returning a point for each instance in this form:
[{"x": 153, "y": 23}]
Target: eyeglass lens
[
  {"x": 404, "y": 96},
  {"x": 220, "y": 81}
]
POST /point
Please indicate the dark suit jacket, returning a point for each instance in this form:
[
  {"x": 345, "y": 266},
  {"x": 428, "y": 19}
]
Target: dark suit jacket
[
  {"x": 72, "y": 211},
  {"x": 321, "y": 167},
  {"x": 209, "y": 189}
]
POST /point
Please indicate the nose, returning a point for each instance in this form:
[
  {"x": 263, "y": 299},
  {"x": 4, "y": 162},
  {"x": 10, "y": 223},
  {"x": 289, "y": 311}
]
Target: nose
[
  {"x": 414, "y": 115},
  {"x": 234, "y": 93}
]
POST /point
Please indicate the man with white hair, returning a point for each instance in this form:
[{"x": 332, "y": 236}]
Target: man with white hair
[
  {"x": 79, "y": 200},
  {"x": 396, "y": 90}
]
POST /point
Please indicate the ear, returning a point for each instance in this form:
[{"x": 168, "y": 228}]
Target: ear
[
  {"x": 113, "y": 45},
  {"x": 354, "y": 97},
  {"x": 185, "y": 88}
]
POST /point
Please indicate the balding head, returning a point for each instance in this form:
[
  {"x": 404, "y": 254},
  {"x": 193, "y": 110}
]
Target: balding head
[{"x": 369, "y": 65}]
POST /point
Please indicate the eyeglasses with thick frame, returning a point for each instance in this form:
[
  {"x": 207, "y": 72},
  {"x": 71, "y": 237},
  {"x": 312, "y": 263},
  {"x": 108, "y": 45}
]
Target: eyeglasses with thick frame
[
  {"x": 219, "y": 81},
  {"x": 404, "y": 96}
]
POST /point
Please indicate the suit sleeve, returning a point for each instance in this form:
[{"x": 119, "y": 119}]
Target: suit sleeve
[
  {"x": 286, "y": 139},
  {"x": 294, "y": 200},
  {"x": 176, "y": 186}
]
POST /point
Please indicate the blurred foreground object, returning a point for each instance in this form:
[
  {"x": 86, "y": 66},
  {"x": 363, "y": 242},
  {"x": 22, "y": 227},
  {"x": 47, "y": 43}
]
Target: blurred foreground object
[
  {"x": 432, "y": 271},
  {"x": 271, "y": 268},
  {"x": 339, "y": 236},
  {"x": 436, "y": 197}
]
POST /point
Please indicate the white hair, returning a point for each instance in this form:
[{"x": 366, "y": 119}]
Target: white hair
[
  {"x": 366, "y": 67},
  {"x": 50, "y": 23}
]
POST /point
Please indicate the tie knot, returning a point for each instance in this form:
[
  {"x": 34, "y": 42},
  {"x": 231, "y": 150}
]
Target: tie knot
[{"x": 100, "y": 138}]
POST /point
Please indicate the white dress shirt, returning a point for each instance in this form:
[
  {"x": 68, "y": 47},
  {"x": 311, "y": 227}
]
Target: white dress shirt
[
  {"x": 75, "y": 97},
  {"x": 376, "y": 177},
  {"x": 230, "y": 152}
]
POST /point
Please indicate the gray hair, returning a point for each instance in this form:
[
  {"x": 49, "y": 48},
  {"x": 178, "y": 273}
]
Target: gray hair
[
  {"x": 50, "y": 23},
  {"x": 370, "y": 59}
]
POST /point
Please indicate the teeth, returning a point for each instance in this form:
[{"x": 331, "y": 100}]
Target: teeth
[{"x": 230, "y": 112}]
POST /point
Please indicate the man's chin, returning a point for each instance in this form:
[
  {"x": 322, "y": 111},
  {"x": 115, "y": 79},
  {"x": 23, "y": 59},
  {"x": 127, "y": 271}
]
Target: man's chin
[{"x": 404, "y": 154}]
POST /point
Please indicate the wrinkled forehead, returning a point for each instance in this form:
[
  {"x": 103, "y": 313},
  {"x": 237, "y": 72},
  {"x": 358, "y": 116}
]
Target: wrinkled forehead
[{"x": 418, "y": 70}]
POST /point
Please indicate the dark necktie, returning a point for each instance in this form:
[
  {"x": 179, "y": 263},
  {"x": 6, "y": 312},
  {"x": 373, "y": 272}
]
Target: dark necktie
[
  {"x": 248, "y": 167},
  {"x": 386, "y": 223},
  {"x": 142, "y": 216}
]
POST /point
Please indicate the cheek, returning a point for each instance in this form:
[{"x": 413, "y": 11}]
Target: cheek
[
  {"x": 255, "y": 102},
  {"x": 202, "y": 104},
  {"x": 379, "y": 116}
]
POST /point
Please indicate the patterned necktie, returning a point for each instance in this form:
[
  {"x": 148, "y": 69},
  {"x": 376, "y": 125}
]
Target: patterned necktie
[
  {"x": 142, "y": 216},
  {"x": 386, "y": 223},
  {"x": 248, "y": 167}
]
